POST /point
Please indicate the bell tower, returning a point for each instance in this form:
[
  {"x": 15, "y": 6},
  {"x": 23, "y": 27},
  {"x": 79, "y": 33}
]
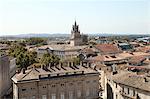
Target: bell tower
[
  {"x": 75, "y": 32},
  {"x": 75, "y": 39}
]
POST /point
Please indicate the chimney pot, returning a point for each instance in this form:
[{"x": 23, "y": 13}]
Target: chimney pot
[
  {"x": 70, "y": 64},
  {"x": 81, "y": 63},
  {"x": 42, "y": 66},
  {"x": 89, "y": 64},
  {"x": 73, "y": 63},
  {"x": 23, "y": 71},
  {"x": 145, "y": 80},
  {"x": 82, "y": 72}
]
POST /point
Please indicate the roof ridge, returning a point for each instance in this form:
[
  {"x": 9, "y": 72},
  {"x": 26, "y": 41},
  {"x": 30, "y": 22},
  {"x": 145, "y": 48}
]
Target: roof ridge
[
  {"x": 33, "y": 69},
  {"x": 26, "y": 74}
]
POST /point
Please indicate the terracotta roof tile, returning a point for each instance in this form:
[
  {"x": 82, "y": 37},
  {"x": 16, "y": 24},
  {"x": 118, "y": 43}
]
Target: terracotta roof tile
[
  {"x": 107, "y": 48},
  {"x": 144, "y": 49},
  {"x": 132, "y": 80},
  {"x": 88, "y": 50},
  {"x": 137, "y": 59}
]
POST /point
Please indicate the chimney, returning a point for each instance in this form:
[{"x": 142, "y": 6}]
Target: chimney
[
  {"x": 127, "y": 63},
  {"x": 81, "y": 63},
  {"x": 114, "y": 67},
  {"x": 49, "y": 64},
  {"x": 89, "y": 64},
  {"x": 60, "y": 64},
  {"x": 73, "y": 63},
  {"x": 42, "y": 66},
  {"x": 33, "y": 67},
  {"x": 69, "y": 64},
  {"x": 23, "y": 70},
  {"x": 82, "y": 72},
  {"x": 18, "y": 71},
  {"x": 145, "y": 80},
  {"x": 114, "y": 71}
]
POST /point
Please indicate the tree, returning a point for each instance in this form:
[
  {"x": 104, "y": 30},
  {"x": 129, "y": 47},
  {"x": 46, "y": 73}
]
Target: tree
[
  {"x": 23, "y": 57},
  {"x": 36, "y": 41},
  {"x": 49, "y": 58},
  {"x": 76, "y": 60}
]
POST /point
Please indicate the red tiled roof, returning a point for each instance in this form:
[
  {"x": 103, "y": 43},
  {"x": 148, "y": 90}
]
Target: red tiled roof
[
  {"x": 144, "y": 49},
  {"x": 99, "y": 58},
  {"x": 107, "y": 48},
  {"x": 137, "y": 59},
  {"x": 136, "y": 67},
  {"x": 88, "y": 50}
]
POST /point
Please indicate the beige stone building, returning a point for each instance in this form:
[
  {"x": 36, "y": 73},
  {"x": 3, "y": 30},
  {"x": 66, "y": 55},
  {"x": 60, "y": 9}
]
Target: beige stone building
[
  {"x": 63, "y": 51},
  {"x": 4, "y": 74},
  {"x": 127, "y": 85},
  {"x": 7, "y": 70},
  {"x": 76, "y": 38},
  {"x": 58, "y": 82}
]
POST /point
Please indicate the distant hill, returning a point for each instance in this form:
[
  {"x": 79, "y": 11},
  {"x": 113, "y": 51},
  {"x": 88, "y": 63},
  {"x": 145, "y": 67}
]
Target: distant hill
[
  {"x": 38, "y": 35},
  {"x": 28, "y": 35}
]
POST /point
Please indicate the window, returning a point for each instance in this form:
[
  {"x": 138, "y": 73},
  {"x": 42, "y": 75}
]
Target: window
[
  {"x": 80, "y": 82},
  {"x": 133, "y": 92},
  {"x": 128, "y": 91},
  {"x": 79, "y": 93},
  {"x": 53, "y": 85},
  {"x": 53, "y": 96},
  {"x": 94, "y": 91},
  {"x": 44, "y": 86},
  {"x": 113, "y": 56},
  {"x": 94, "y": 81},
  {"x": 70, "y": 94},
  {"x": 71, "y": 84},
  {"x": 116, "y": 85},
  {"x": 62, "y": 96},
  {"x": 44, "y": 97},
  {"x": 87, "y": 92},
  {"x": 23, "y": 89},
  {"x": 116, "y": 96},
  {"x": 106, "y": 56},
  {"x": 32, "y": 88},
  {"x": 87, "y": 82},
  {"x": 33, "y": 97}
]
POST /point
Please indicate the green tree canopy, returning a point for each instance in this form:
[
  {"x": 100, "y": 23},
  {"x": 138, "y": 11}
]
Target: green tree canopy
[
  {"x": 49, "y": 58},
  {"x": 36, "y": 41},
  {"x": 23, "y": 57}
]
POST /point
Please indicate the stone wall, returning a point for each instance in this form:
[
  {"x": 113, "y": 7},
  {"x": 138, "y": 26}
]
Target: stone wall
[
  {"x": 75, "y": 87},
  {"x": 4, "y": 75}
]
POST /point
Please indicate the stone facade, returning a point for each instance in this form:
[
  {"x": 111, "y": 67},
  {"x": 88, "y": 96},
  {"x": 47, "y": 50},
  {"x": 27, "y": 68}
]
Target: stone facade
[
  {"x": 62, "y": 51},
  {"x": 126, "y": 86},
  {"x": 81, "y": 83},
  {"x": 7, "y": 70},
  {"x": 4, "y": 75},
  {"x": 76, "y": 38}
]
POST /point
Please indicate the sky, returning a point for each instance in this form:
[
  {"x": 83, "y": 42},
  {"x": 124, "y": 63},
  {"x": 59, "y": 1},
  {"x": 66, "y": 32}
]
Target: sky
[{"x": 58, "y": 16}]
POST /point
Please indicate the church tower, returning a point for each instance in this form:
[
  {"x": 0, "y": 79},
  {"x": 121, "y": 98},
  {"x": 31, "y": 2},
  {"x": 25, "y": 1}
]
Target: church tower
[{"x": 75, "y": 39}]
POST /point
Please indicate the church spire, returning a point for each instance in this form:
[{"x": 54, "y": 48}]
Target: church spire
[{"x": 75, "y": 23}]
